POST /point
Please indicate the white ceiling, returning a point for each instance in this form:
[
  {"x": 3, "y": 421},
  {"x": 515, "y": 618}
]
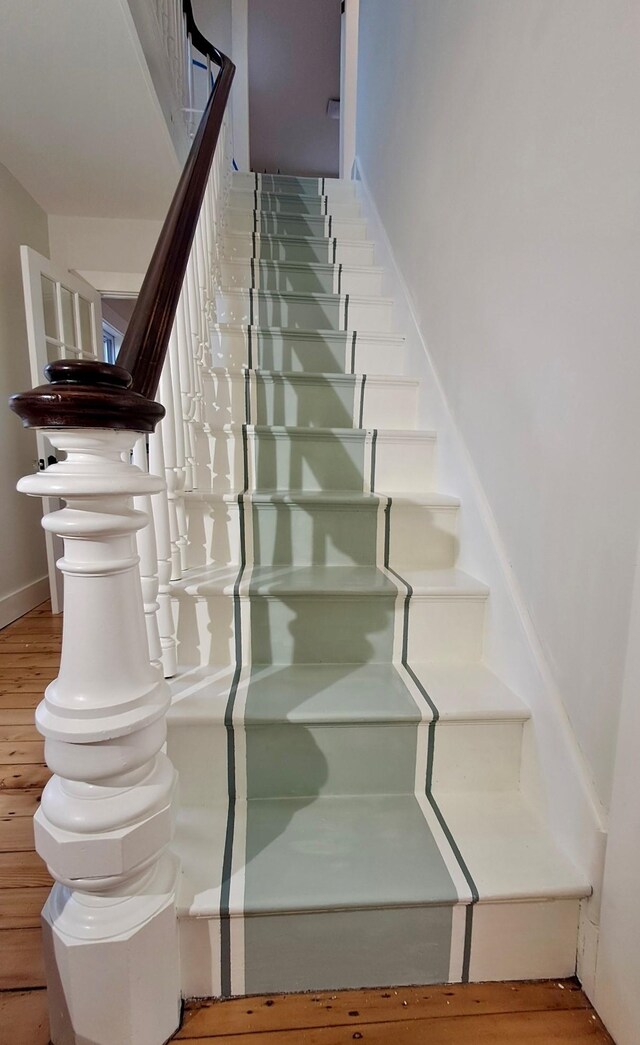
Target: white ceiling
[{"x": 80, "y": 126}]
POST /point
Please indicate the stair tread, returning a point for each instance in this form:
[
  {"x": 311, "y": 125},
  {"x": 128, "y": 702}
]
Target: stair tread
[
  {"x": 342, "y": 240},
  {"x": 290, "y": 266},
  {"x": 338, "y": 693},
  {"x": 507, "y": 847},
  {"x": 249, "y": 178},
  {"x": 303, "y": 215},
  {"x": 327, "y": 580},
  {"x": 249, "y": 194},
  {"x": 350, "y": 852},
  {"x": 336, "y": 497},
  {"x": 301, "y": 334},
  {"x": 309, "y": 295},
  {"x": 315, "y": 376},
  {"x": 322, "y": 432}
]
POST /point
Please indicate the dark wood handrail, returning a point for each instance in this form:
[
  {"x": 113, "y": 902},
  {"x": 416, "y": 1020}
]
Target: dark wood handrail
[{"x": 93, "y": 394}]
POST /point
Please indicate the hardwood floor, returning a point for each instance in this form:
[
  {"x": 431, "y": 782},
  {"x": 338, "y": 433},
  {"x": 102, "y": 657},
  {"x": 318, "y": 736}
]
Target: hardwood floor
[{"x": 548, "y": 1013}]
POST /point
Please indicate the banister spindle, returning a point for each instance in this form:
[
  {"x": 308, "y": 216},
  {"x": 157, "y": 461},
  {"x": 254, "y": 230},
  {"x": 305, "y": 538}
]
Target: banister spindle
[
  {"x": 161, "y": 524},
  {"x": 148, "y": 553},
  {"x": 175, "y": 453},
  {"x": 185, "y": 347}
]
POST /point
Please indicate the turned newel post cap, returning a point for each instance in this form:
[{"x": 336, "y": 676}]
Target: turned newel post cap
[
  {"x": 87, "y": 372},
  {"x": 86, "y": 393}
]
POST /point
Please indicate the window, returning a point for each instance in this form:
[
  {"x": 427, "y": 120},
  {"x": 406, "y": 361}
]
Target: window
[{"x": 111, "y": 341}]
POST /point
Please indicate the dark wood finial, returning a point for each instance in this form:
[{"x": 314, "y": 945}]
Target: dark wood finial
[{"x": 86, "y": 393}]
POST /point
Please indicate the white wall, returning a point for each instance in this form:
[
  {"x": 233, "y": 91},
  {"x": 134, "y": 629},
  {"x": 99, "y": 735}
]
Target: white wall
[
  {"x": 110, "y": 253},
  {"x": 294, "y": 68},
  {"x": 23, "y": 568},
  {"x": 501, "y": 145},
  {"x": 348, "y": 84},
  {"x": 213, "y": 18},
  {"x": 240, "y": 89}
]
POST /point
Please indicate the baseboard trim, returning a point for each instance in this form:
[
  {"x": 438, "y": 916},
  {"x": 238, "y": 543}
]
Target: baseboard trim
[{"x": 19, "y": 602}]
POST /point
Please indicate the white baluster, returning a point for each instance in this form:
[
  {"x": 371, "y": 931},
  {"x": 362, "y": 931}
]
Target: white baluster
[
  {"x": 160, "y": 508},
  {"x": 185, "y": 350},
  {"x": 174, "y": 480},
  {"x": 146, "y": 540},
  {"x": 175, "y": 453},
  {"x": 105, "y": 822},
  {"x": 196, "y": 418}
]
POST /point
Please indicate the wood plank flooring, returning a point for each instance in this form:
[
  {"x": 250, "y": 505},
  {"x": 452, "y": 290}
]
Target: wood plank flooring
[
  {"x": 29, "y": 658},
  {"x": 548, "y": 1013}
]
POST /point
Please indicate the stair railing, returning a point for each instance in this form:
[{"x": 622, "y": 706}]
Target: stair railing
[{"x": 105, "y": 822}]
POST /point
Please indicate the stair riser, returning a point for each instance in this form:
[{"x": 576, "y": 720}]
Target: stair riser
[
  {"x": 237, "y": 347},
  {"x": 328, "y": 629},
  {"x": 421, "y": 538},
  {"x": 323, "y": 226},
  {"x": 272, "y": 248},
  {"x": 339, "y": 949},
  {"x": 286, "y": 759},
  {"x": 339, "y": 312},
  {"x": 288, "y": 185},
  {"x": 318, "y": 279},
  {"x": 272, "y": 203},
  {"x": 321, "y": 401},
  {"x": 303, "y": 461}
]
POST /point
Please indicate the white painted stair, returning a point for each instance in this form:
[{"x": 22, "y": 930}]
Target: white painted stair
[{"x": 353, "y": 805}]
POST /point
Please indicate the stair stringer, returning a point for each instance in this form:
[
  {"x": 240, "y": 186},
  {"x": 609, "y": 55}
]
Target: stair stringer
[{"x": 554, "y": 777}]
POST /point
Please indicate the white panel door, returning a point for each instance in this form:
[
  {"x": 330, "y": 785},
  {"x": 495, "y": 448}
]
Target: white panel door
[{"x": 64, "y": 321}]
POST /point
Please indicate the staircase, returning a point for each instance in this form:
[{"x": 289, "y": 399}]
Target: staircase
[{"x": 353, "y": 805}]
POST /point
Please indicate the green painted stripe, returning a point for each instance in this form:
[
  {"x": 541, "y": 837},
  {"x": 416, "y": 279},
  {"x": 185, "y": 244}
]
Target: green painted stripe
[
  {"x": 354, "y": 338},
  {"x": 247, "y": 396},
  {"x": 227, "y": 859},
  {"x": 361, "y": 414},
  {"x": 374, "y": 439},
  {"x": 431, "y": 753}
]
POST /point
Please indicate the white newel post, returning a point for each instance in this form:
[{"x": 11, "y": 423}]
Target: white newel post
[{"x": 105, "y": 823}]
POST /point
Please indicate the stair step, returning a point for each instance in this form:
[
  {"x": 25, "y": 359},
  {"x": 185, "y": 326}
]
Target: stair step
[
  {"x": 334, "y": 188},
  {"x": 290, "y": 581},
  {"x": 317, "y": 351},
  {"x": 293, "y": 203},
  {"x": 304, "y": 398},
  {"x": 301, "y": 276},
  {"x": 327, "y": 614},
  {"x": 339, "y": 729},
  {"x": 306, "y": 225},
  {"x": 274, "y": 457},
  {"x": 327, "y": 527},
  {"x": 337, "y": 891},
  {"x": 305, "y": 311},
  {"x": 327, "y": 693},
  {"x": 326, "y": 250}
]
